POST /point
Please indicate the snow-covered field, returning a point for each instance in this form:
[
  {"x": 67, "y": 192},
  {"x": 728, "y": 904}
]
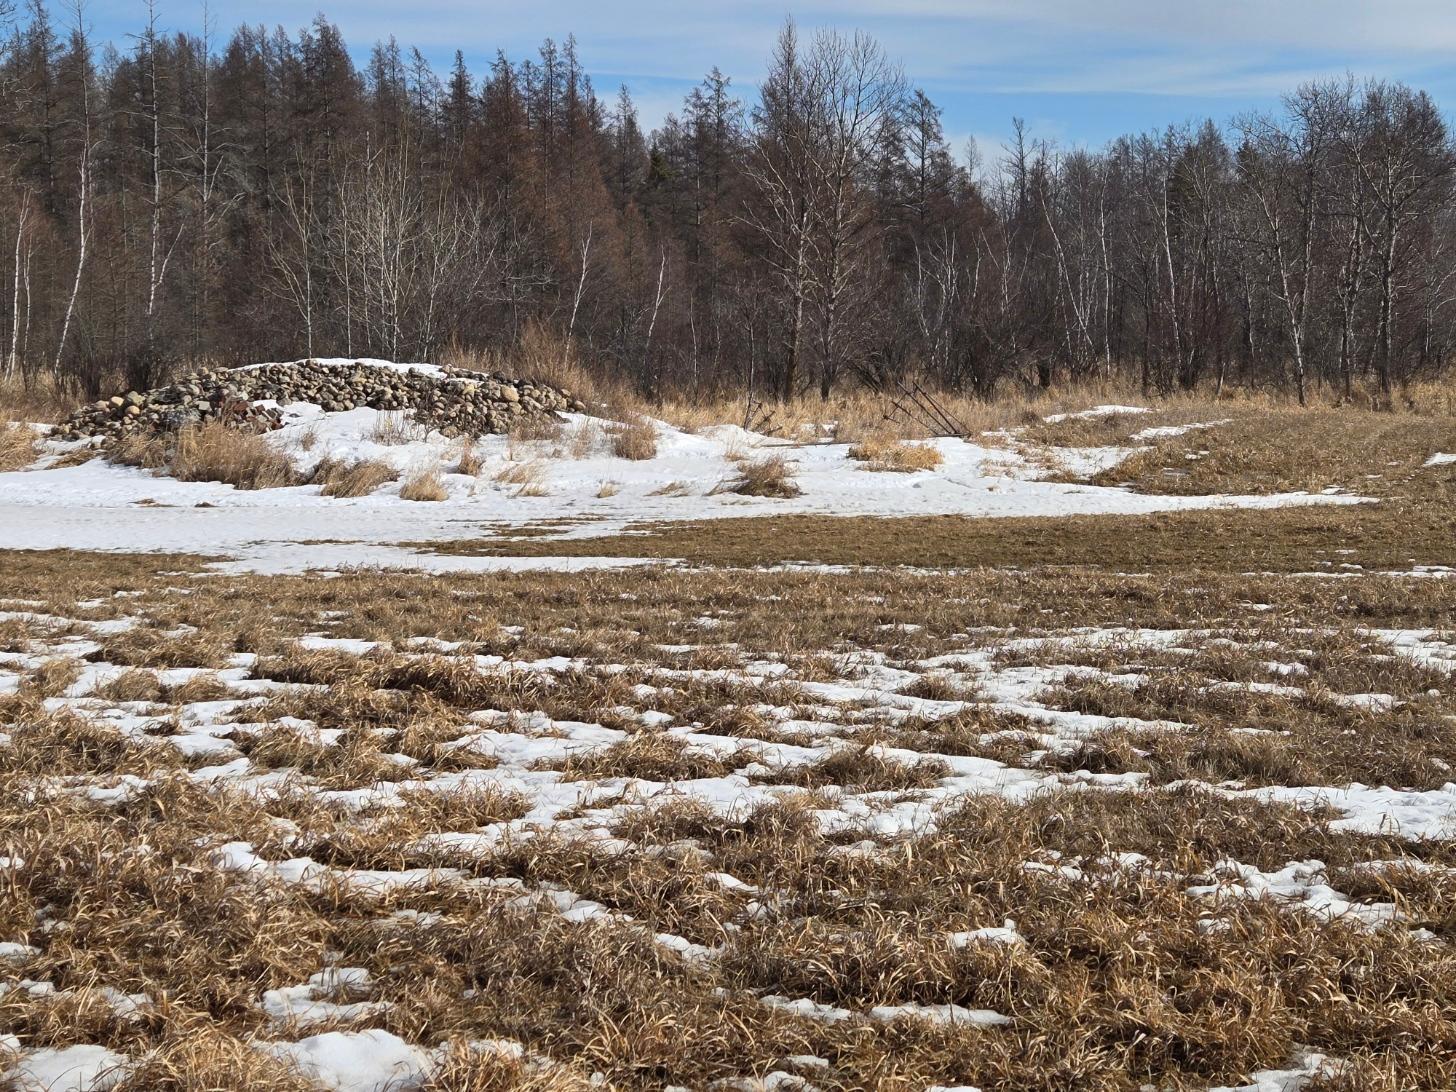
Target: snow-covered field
[{"x": 574, "y": 476}]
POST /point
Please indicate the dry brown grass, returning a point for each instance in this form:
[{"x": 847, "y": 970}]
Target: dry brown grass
[
  {"x": 584, "y": 440},
  {"x": 1122, "y": 978},
  {"x": 647, "y": 755},
  {"x": 469, "y": 462},
  {"x": 862, "y": 769},
  {"x": 210, "y": 453},
  {"x": 528, "y": 479},
  {"x": 1262, "y": 739},
  {"x": 354, "y": 479},
  {"x": 18, "y": 446},
  {"x": 1374, "y": 454},
  {"x": 41, "y": 400},
  {"x": 424, "y": 485},
  {"x": 770, "y": 476},
  {"x": 395, "y": 427},
  {"x": 1391, "y": 536},
  {"x": 885, "y": 453},
  {"x": 634, "y": 438}
]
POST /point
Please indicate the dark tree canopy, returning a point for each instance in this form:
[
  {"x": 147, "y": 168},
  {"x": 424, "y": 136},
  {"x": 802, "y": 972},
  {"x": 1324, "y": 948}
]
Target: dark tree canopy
[{"x": 175, "y": 198}]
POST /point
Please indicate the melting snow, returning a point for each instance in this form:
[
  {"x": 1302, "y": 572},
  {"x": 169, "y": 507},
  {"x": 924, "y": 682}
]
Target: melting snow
[{"x": 101, "y": 506}]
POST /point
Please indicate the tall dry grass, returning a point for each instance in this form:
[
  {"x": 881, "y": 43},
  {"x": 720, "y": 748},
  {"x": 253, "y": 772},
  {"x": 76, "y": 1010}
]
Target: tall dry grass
[
  {"x": 17, "y": 445},
  {"x": 635, "y": 438},
  {"x": 42, "y": 400},
  {"x": 423, "y": 486},
  {"x": 851, "y": 415},
  {"x": 210, "y": 453},
  {"x": 881, "y": 453},
  {"x": 771, "y": 476},
  {"x": 355, "y": 479}
]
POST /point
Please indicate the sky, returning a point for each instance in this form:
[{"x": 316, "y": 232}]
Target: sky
[{"x": 1079, "y": 73}]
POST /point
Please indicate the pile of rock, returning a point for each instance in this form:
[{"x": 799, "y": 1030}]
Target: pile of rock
[{"x": 457, "y": 403}]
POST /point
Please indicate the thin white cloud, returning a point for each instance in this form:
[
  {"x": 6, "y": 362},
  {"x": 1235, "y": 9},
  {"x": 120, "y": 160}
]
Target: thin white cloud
[{"x": 1195, "y": 49}]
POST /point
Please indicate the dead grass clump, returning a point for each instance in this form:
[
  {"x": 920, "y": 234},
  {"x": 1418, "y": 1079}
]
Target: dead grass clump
[
  {"x": 584, "y": 440},
  {"x": 962, "y": 733},
  {"x": 210, "y": 453},
  {"x": 395, "y": 427},
  {"x": 355, "y": 759},
  {"x": 543, "y": 429},
  {"x": 890, "y": 454},
  {"x": 470, "y": 461},
  {"x": 53, "y": 678},
  {"x": 861, "y": 769},
  {"x": 143, "y": 647},
  {"x": 937, "y": 686},
  {"x": 650, "y": 756},
  {"x": 201, "y": 687},
  {"x": 424, "y": 486},
  {"x": 634, "y": 438},
  {"x": 772, "y": 476},
  {"x": 471, "y": 1067},
  {"x": 42, "y": 398},
  {"x": 466, "y": 807},
  {"x": 199, "y": 1057},
  {"x": 136, "y": 684},
  {"x": 51, "y": 744},
  {"x": 1083, "y": 429},
  {"x": 884, "y": 960},
  {"x": 18, "y": 446},
  {"x": 356, "y": 479},
  {"x": 528, "y": 478},
  {"x": 431, "y": 735}
]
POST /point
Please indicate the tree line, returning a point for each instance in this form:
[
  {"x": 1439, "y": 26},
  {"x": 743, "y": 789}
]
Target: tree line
[{"x": 188, "y": 198}]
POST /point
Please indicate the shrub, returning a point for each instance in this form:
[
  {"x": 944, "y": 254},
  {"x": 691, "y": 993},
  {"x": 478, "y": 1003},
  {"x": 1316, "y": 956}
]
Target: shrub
[
  {"x": 423, "y": 486},
  {"x": 635, "y": 438},
  {"x": 210, "y": 453},
  {"x": 17, "y": 445},
  {"x": 883, "y": 453},
  {"x": 354, "y": 479},
  {"x": 772, "y": 476}
]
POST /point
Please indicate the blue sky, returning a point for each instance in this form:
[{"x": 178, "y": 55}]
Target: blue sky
[{"x": 1080, "y": 73}]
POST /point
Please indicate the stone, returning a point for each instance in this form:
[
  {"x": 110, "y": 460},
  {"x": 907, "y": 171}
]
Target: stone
[{"x": 466, "y": 403}]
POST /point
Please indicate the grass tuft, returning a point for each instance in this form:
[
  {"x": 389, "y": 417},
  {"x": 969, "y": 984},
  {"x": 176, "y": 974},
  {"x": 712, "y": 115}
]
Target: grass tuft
[
  {"x": 356, "y": 479},
  {"x": 18, "y": 445},
  {"x": 772, "y": 476},
  {"x": 634, "y": 438},
  {"x": 423, "y": 486},
  {"x": 887, "y": 453},
  {"x": 210, "y": 453}
]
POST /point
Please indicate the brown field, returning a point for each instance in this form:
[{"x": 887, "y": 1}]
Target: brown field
[{"x": 577, "y": 891}]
